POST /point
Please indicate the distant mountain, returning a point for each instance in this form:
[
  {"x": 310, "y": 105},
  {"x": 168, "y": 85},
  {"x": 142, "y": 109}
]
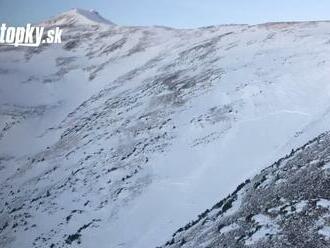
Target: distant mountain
[
  {"x": 120, "y": 135},
  {"x": 79, "y": 17}
]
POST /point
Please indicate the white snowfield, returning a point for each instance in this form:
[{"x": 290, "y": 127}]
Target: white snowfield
[{"x": 121, "y": 135}]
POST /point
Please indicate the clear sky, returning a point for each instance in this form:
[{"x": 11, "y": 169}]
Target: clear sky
[{"x": 175, "y": 13}]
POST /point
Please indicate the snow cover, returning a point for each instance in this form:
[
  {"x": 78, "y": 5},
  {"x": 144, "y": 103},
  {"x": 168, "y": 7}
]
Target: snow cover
[
  {"x": 324, "y": 203},
  {"x": 143, "y": 128},
  {"x": 267, "y": 227},
  {"x": 81, "y": 17},
  {"x": 229, "y": 228},
  {"x": 325, "y": 232},
  {"x": 272, "y": 215}
]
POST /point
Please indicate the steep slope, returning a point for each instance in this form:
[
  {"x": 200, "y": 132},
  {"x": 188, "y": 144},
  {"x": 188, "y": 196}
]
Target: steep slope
[
  {"x": 122, "y": 134},
  {"x": 286, "y": 205}
]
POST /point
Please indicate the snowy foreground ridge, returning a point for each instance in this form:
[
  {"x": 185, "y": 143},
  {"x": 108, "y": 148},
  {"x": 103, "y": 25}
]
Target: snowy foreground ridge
[
  {"x": 120, "y": 136},
  {"x": 286, "y": 205}
]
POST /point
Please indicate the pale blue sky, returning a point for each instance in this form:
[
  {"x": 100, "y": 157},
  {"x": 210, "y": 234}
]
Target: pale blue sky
[{"x": 175, "y": 13}]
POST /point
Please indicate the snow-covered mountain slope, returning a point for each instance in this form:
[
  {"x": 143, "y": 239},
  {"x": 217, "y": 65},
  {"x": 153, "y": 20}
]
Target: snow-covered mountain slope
[
  {"x": 286, "y": 205},
  {"x": 121, "y": 135},
  {"x": 78, "y": 17}
]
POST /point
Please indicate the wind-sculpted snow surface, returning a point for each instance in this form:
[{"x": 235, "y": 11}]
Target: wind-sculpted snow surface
[
  {"x": 120, "y": 135},
  {"x": 286, "y": 205}
]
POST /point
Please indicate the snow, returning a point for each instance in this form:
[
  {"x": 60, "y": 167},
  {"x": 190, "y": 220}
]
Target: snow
[
  {"x": 79, "y": 16},
  {"x": 90, "y": 15},
  {"x": 325, "y": 232},
  {"x": 267, "y": 228},
  {"x": 324, "y": 203},
  {"x": 327, "y": 167},
  {"x": 229, "y": 228},
  {"x": 278, "y": 90},
  {"x": 300, "y": 206}
]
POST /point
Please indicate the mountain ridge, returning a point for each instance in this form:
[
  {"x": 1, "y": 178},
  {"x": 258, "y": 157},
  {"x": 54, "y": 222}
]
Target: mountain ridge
[
  {"x": 94, "y": 16},
  {"x": 123, "y": 134},
  {"x": 271, "y": 209}
]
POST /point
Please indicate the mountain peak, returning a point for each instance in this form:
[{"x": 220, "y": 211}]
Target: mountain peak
[{"x": 81, "y": 17}]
